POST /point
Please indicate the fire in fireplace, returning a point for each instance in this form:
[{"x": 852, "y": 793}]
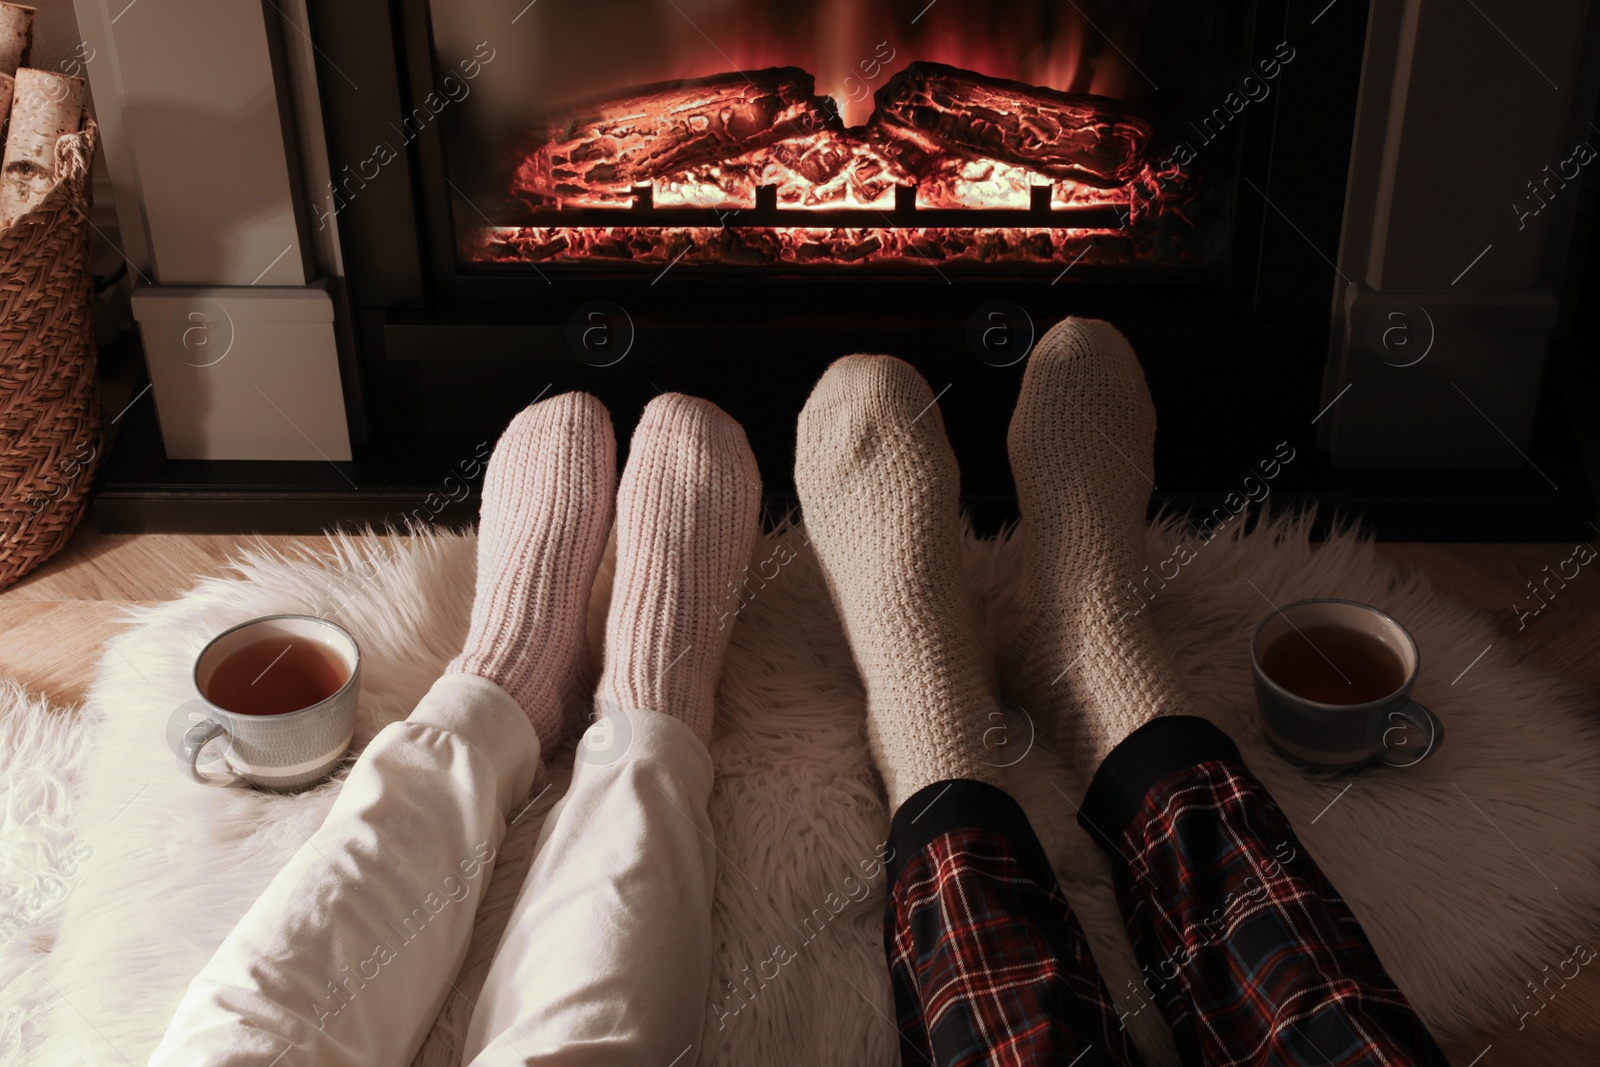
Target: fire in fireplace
[
  {"x": 963, "y": 136},
  {"x": 753, "y": 166}
]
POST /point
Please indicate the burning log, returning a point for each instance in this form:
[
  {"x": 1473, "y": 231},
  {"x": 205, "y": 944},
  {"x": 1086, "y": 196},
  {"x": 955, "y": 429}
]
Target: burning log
[
  {"x": 598, "y": 156},
  {"x": 834, "y": 168},
  {"x": 930, "y": 113}
]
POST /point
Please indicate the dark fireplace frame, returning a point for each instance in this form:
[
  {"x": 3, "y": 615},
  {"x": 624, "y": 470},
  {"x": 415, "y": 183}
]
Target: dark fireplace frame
[
  {"x": 400, "y": 249},
  {"x": 412, "y": 307},
  {"x": 439, "y": 359}
]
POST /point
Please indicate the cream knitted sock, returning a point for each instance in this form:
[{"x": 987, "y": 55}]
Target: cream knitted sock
[
  {"x": 1083, "y": 659},
  {"x": 546, "y": 513},
  {"x": 687, "y": 513},
  {"x": 880, "y": 490}
]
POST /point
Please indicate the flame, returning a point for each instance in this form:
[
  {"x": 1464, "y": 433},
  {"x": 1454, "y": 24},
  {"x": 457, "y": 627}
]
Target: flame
[{"x": 854, "y": 47}]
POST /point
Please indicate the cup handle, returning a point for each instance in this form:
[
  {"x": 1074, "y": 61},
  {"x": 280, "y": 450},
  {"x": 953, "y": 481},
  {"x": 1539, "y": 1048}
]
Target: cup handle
[
  {"x": 195, "y": 739},
  {"x": 1421, "y": 718}
]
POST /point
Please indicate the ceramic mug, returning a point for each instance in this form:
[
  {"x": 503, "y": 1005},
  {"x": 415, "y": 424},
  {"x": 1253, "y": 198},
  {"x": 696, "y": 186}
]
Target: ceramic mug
[
  {"x": 1344, "y": 737},
  {"x": 288, "y": 751}
]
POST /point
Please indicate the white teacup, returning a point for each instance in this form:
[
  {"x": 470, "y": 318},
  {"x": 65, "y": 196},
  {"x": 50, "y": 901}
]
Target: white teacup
[{"x": 283, "y": 752}]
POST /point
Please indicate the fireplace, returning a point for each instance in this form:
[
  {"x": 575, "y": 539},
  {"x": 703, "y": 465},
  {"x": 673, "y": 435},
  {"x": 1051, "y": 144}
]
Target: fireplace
[{"x": 721, "y": 196}]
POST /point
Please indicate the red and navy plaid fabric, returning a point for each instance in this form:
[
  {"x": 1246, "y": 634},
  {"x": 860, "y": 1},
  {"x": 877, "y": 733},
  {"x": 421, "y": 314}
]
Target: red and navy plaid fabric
[
  {"x": 988, "y": 963},
  {"x": 1251, "y": 953}
]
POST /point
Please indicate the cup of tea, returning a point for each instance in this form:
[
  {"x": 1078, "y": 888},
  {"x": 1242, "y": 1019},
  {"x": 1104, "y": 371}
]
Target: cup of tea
[
  {"x": 1333, "y": 680},
  {"x": 280, "y": 691}
]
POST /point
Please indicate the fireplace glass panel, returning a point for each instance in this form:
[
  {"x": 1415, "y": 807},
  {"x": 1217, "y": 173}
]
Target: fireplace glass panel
[{"x": 1027, "y": 137}]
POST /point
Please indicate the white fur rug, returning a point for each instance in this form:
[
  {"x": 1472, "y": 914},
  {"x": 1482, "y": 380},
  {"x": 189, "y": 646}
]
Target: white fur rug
[{"x": 120, "y": 876}]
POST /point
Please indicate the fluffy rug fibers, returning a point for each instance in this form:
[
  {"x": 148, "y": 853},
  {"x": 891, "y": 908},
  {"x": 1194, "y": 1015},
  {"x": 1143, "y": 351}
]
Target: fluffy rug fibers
[{"x": 1469, "y": 871}]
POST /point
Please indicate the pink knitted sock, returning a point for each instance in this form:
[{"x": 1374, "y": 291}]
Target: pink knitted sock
[
  {"x": 547, "y": 499},
  {"x": 687, "y": 511}
]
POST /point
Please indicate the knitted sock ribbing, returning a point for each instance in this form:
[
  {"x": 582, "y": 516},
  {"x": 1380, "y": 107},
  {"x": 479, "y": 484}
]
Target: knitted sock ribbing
[
  {"x": 880, "y": 489},
  {"x": 546, "y": 513},
  {"x": 687, "y": 513},
  {"x": 1082, "y": 444}
]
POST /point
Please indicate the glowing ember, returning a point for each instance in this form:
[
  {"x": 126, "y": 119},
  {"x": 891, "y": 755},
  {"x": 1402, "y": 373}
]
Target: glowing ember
[
  {"x": 830, "y": 169},
  {"x": 806, "y": 245}
]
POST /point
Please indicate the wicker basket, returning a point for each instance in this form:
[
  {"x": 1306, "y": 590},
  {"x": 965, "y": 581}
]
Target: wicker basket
[{"x": 50, "y": 433}]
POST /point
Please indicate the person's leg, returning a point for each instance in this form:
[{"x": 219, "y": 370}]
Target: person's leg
[
  {"x": 987, "y": 960},
  {"x": 348, "y": 955},
  {"x": 1251, "y": 953},
  {"x": 988, "y": 963},
  {"x": 606, "y": 958}
]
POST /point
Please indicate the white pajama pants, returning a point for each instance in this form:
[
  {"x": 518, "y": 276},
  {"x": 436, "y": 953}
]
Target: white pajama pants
[{"x": 353, "y": 948}]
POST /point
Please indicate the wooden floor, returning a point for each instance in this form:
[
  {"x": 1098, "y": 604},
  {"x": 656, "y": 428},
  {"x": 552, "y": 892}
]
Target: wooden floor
[{"x": 56, "y": 621}]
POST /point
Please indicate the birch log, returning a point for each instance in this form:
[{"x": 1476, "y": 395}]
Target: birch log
[
  {"x": 16, "y": 36},
  {"x": 46, "y": 107}
]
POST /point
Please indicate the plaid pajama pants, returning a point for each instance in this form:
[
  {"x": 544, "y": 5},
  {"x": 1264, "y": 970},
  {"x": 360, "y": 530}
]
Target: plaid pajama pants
[{"x": 1243, "y": 943}]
